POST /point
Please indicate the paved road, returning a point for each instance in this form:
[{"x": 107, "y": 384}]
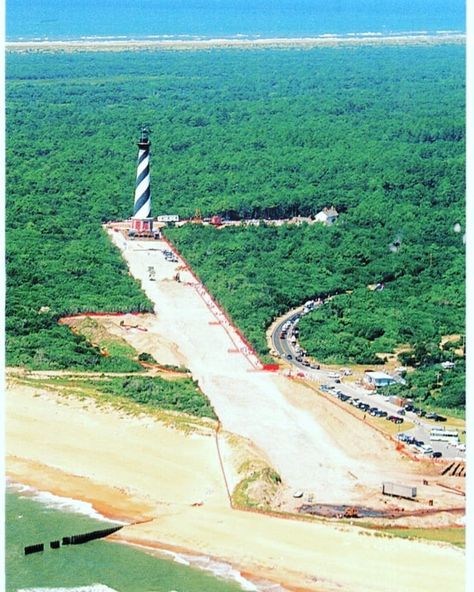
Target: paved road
[{"x": 285, "y": 349}]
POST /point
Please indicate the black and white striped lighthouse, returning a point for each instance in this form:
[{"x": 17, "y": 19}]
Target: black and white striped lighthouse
[{"x": 142, "y": 222}]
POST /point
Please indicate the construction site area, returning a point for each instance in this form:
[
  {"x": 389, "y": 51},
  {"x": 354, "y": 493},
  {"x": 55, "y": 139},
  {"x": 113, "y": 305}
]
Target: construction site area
[
  {"x": 283, "y": 480},
  {"x": 323, "y": 454}
]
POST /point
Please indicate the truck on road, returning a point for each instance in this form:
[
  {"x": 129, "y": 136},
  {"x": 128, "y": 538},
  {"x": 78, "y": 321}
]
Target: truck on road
[{"x": 399, "y": 490}]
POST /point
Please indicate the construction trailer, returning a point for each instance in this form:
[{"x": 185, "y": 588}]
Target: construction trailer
[{"x": 399, "y": 490}]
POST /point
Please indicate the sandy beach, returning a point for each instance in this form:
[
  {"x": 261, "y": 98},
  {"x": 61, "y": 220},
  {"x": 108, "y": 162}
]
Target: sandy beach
[
  {"x": 372, "y": 39},
  {"x": 136, "y": 469}
]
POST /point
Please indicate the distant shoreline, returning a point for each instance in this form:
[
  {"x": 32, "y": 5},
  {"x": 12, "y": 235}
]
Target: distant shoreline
[{"x": 225, "y": 43}]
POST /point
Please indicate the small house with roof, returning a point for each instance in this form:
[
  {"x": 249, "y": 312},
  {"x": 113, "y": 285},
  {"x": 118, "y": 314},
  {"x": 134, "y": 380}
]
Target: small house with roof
[
  {"x": 327, "y": 216},
  {"x": 378, "y": 379}
]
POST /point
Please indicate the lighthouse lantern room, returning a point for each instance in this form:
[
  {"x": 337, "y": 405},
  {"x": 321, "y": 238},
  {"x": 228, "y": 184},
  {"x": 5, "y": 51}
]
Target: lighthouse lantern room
[{"x": 142, "y": 222}]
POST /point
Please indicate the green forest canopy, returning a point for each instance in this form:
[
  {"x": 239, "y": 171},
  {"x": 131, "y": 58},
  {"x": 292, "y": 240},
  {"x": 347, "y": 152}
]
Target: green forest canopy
[{"x": 376, "y": 132}]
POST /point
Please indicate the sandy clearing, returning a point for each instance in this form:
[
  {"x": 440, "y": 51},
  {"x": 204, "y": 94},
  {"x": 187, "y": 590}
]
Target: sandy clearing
[
  {"x": 137, "y": 468},
  {"x": 248, "y": 403},
  {"x": 162, "y": 349},
  {"x": 315, "y": 446}
]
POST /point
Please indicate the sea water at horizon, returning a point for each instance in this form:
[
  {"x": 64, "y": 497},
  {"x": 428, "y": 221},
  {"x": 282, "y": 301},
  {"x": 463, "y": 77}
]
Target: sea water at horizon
[
  {"x": 98, "y": 566},
  {"x": 207, "y": 19}
]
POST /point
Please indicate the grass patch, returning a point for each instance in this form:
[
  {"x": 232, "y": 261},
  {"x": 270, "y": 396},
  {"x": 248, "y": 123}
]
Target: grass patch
[
  {"x": 182, "y": 394},
  {"x": 258, "y": 488},
  {"x": 454, "y": 536},
  {"x": 389, "y": 427}
]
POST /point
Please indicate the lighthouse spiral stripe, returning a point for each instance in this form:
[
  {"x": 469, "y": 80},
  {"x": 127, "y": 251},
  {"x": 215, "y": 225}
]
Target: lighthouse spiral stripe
[{"x": 142, "y": 204}]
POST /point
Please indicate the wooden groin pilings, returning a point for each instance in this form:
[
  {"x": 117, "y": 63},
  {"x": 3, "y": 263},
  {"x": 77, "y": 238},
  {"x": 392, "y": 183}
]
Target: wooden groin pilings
[
  {"x": 34, "y": 549},
  {"x": 76, "y": 539}
]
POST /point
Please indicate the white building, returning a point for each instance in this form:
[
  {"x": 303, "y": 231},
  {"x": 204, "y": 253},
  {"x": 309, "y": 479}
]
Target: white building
[
  {"x": 378, "y": 379},
  {"x": 327, "y": 216}
]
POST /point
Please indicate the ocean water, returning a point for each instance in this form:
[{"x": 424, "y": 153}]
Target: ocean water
[
  {"x": 98, "y": 566},
  {"x": 190, "y": 19}
]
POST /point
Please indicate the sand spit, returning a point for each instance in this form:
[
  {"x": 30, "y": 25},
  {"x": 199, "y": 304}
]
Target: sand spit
[{"x": 228, "y": 43}]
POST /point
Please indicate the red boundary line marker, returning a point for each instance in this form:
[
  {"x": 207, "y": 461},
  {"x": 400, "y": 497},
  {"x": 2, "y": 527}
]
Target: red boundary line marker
[
  {"x": 101, "y": 314},
  {"x": 237, "y": 331}
]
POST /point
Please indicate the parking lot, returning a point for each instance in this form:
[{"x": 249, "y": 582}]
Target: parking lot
[
  {"x": 284, "y": 339},
  {"x": 377, "y": 405}
]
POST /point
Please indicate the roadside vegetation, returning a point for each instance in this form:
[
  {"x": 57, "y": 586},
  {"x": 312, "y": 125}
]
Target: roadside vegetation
[{"x": 377, "y": 132}]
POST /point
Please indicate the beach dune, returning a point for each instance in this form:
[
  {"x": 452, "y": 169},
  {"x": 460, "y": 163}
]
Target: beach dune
[{"x": 238, "y": 43}]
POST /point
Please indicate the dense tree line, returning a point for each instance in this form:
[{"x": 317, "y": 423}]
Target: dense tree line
[{"x": 376, "y": 132}]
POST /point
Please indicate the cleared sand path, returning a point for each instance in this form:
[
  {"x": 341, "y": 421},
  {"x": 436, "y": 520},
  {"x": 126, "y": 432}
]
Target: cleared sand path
[
  {"x": 248, "y": 402},
  {"x": 314, "y": 446},
  {"x": 136, "y": 468}
]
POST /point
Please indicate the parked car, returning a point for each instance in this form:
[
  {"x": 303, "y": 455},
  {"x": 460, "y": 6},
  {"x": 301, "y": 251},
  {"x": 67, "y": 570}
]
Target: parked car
[
  {"x": 437, "y": 454},
  {"x": 395, "y": 419},
  {"x": 401, "y": 412},
  {"x": 383, "y": 414},
  {"x": 409, "y": 407},
  {"x": 289, "y": 357},
  {"x": 441, "y": 418}
]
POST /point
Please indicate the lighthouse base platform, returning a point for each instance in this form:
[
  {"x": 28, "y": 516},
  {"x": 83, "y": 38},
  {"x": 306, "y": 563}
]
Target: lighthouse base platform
[
  {"x": 141, "y": 224},
  {"x": 142, "y": 228}
]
